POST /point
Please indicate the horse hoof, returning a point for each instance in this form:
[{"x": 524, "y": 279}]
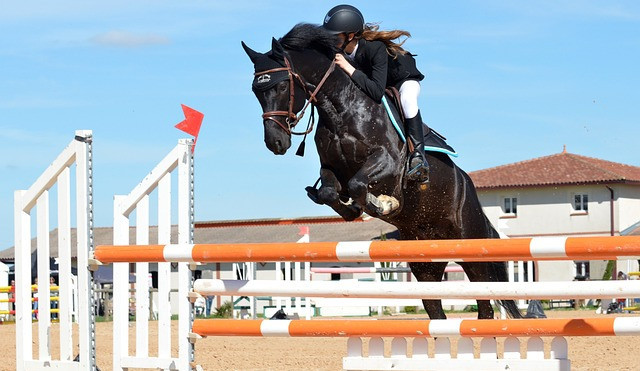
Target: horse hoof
[
  {"x": 350, "y": 212},
  {"x": 312, "y": 193},
  {"x": 383, "y": 204},
  {"x": 390, "y": 204}
]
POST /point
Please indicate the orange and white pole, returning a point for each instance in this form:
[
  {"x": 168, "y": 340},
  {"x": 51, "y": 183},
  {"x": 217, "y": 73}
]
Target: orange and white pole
[
  {"x": 620, "y": 326},
  {"x": 518, "y": 249}
]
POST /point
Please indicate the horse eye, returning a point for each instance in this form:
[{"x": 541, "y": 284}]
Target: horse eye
[{"x": 282, "y": 87}]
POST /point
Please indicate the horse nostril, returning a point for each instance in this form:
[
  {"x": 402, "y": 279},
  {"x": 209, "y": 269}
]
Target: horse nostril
[{"x": 278, "y": 144}]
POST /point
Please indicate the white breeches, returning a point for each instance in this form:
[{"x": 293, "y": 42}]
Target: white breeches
[{"x": 409, "y": 91}]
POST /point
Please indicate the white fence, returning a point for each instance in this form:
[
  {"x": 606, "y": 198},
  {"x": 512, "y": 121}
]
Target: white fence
[
  {"x": 159, "y": 178},
  {"x": 58, "y": 173}
]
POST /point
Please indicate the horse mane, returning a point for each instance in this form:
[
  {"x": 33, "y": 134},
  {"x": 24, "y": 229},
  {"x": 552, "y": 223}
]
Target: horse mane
[{"x": 309, "y": 36}]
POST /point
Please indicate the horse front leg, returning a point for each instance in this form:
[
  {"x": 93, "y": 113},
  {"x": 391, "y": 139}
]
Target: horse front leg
[
  {"x": 378, "y": 170},
  {"x": 329, "y": 194}
]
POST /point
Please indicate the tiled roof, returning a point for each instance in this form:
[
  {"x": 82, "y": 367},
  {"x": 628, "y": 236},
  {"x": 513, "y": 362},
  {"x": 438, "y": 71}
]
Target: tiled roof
[{"x": 559, "y": 169}]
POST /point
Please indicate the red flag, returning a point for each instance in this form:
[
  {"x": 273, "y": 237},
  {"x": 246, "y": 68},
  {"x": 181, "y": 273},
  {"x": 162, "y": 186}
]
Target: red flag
[
  {"x": 303, "y": 230},
  {"x": 191, "y": 124}
]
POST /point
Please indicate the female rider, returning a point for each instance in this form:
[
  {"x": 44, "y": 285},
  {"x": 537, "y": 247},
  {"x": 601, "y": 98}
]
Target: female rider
[{"x": 379, "y": 63}]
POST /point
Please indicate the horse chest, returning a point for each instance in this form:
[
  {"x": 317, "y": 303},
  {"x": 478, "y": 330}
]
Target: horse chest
[{"x": 342, "y": 148}]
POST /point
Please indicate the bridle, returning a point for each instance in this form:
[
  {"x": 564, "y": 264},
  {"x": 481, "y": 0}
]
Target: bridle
[{"x": 291, "y": 119}]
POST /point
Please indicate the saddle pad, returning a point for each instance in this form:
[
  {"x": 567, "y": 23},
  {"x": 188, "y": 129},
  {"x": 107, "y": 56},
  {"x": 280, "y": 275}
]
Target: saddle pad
[{"x": 433, "y": 141}]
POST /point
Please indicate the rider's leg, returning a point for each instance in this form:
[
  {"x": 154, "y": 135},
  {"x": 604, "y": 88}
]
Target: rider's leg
[{"x": 418, "y": 168}]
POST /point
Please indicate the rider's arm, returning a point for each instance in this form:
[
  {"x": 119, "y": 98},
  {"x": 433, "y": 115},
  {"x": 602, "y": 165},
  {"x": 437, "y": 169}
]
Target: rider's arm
[{"x": 374, "y": 85}]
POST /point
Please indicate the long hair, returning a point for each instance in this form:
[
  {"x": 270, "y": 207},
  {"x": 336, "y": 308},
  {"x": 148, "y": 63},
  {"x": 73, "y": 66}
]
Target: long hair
[{"x": 371, "y": 33}]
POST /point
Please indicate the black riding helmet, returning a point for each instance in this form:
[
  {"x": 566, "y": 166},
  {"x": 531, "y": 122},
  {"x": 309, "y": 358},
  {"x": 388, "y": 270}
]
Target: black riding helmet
[{"x": 343, "y": 19}]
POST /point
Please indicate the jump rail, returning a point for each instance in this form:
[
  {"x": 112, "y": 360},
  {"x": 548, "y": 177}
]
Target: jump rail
[
  {"x": 421, "y": 290},
  {"x": 519, "y": 249},
  {"x": 619, "y": 326},
  {"x": 363, "y": 270}
]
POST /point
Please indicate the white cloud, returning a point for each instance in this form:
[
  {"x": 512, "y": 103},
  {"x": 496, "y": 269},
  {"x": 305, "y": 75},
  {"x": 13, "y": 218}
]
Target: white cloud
[
  {"x": 128, "y": 39},
  {"x": 78, "y": 10}
]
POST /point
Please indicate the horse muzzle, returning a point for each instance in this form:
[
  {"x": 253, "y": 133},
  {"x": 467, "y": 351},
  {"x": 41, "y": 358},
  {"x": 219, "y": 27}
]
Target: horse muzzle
[{"x": 276, "y": 139}]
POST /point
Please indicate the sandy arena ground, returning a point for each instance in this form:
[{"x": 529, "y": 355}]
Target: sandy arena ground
[{"x": 242, "y": 353}]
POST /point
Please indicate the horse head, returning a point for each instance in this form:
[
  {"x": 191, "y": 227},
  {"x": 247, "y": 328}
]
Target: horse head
[
  {"x": 352, "y": 128},
  {"x": 281, "y": 93}
]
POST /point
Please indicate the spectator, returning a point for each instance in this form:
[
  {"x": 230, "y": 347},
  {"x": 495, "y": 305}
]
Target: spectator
[
  {"x": 209, "y": 303},
  {"x": 199, "y": 306},
  {"x": 34, "y": 304},
  {"x": 12, "y": 295},
  {"x": 54, "y": 303}
]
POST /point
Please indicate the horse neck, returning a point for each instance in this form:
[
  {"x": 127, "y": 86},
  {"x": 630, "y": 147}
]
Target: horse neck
[{"x": 339, "y": 99}]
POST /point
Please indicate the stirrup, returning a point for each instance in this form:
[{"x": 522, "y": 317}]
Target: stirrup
[{"x": 419, "y": 172}]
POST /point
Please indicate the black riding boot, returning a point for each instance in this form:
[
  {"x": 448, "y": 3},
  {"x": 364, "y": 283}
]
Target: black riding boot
[{"x": 417, "y": 166}]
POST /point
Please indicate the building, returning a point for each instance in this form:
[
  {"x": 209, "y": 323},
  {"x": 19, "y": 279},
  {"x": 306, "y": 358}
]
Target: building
[{"x": 562, "y": 195}]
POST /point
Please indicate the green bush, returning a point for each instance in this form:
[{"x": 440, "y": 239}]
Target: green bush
[
  {"x": 225, "y": 310},
  {"x": 411, "y": 310},
  {"x": 608, "y": 272},
  {"x": 471, "y": 308}
]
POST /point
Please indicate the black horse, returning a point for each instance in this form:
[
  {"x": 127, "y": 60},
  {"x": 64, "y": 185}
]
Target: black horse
[{"x": 362, "y": 157}]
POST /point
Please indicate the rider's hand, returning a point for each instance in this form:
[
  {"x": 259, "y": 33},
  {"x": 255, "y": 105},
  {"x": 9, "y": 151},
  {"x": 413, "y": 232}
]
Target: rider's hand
[{"x": 342, "y": 62}]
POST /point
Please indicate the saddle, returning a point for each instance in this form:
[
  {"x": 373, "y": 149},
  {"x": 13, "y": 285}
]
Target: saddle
[{"x": 433, "y": 141}]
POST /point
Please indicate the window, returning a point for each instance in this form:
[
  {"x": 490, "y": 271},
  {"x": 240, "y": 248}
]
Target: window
[
  {"x": 510, "y": 205},
  {"x": 582, "y": 270},
  {"x": 581, "y": 202}
]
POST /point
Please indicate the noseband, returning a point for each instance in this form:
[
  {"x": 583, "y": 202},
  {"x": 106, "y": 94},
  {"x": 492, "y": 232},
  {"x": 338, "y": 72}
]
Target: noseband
[{"x": 291, "y": 119}]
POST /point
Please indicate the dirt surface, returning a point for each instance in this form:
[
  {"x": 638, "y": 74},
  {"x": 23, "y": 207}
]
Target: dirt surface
[{"x": 243, "y": 353}]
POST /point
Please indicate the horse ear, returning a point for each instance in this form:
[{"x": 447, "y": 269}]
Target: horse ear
[
  {"x": 277, "y": 49},
  {"x": 253, "y": 55}
]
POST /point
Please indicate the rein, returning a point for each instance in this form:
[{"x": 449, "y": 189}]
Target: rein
[{"x": 290, "y": 115}]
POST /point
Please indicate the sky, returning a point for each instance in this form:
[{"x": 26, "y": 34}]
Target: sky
[{"x": 506, "y": 81}]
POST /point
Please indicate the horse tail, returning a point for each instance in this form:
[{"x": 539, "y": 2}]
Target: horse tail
[
  {"x": 511, "y": 307},
  {"x": 500, "y": 271}
]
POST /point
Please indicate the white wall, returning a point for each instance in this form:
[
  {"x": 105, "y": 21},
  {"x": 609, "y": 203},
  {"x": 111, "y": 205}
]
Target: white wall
[
  {"x": 549, "y": 211},
  {"x": 564, "y": 270},
  {"x": 546, "y": 211},
  {"x": 629, "y": 200}
]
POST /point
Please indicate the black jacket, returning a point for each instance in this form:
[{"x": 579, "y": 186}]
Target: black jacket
[{"x": 376, "y": 69}]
